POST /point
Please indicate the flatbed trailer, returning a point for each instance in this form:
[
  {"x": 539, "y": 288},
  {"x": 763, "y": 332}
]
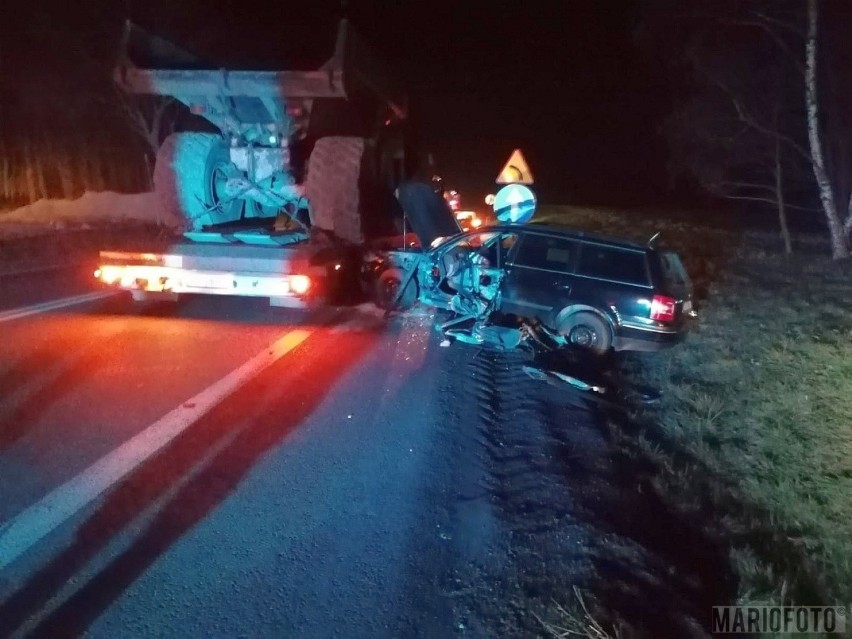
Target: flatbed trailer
[{"x": 299, "y": 274}]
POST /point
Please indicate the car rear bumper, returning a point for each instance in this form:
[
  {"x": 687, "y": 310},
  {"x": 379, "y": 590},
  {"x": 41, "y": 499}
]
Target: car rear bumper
[{"x": 630, "y": 338}]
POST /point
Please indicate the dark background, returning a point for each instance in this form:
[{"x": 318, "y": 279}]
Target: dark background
[{"x": 564, "y": 81}]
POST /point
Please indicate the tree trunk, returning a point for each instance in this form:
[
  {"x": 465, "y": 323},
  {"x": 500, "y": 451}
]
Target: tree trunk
[
  {"x": 64, "y": 165},
  {"x": 38, "y": 166},
  {"x": 148, "y": 172},
  {"x": 779, "y": 198},
  {"x": 30, "y": 173},
  {"x": 847, "y": 225},
  {"x": 5, "y": 177},
  {"x": 839, "y": 245}
]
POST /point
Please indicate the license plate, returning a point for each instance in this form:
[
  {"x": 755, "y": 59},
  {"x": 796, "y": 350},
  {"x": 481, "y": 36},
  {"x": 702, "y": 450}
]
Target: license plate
[{"x": 687, "y": 306}]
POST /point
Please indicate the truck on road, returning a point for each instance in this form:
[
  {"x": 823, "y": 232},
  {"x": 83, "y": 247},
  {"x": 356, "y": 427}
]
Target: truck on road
[{"x": 290, "y": 184}]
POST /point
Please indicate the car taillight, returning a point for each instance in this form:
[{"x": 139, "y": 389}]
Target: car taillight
[
  {"x": 300, "y": 284},
  {"x": 663, "y": 308}
]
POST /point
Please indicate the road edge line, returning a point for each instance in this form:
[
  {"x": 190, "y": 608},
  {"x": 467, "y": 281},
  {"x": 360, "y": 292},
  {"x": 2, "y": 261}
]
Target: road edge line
[
  {"x": 44, "y": 307},
  {"x": 30, "y": 526}
]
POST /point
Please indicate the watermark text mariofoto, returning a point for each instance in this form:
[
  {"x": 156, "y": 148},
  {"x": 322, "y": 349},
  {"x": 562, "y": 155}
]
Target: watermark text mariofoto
[{"x": 779, "y": 619}]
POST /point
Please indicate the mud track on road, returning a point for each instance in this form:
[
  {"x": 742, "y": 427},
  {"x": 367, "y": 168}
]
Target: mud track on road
[{"x": 543, "y": 501}]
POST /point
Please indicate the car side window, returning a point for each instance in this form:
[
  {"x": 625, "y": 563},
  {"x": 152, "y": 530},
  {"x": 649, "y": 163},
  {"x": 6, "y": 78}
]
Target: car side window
[
  {"x": 545, "y": 252},
  {"x": 609, "y": 263}
]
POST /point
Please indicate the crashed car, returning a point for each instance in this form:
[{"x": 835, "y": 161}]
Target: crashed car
[{"x": 588, "y": 291}]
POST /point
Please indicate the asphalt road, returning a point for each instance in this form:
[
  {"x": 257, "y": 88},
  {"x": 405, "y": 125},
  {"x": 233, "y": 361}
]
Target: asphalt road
[{"x": 326, "y": 474}]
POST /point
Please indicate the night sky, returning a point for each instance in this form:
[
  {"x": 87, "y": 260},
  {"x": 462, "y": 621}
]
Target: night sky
[
  {"x": 565, "y": 81},
  {"x": 562, "y": 80}
]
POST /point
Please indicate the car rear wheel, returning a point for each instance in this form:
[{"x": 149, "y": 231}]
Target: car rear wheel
[{"x": 587, "y": 331}]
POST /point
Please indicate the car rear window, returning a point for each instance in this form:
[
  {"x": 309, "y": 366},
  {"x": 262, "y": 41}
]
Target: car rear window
[
  {"x": 542, "y": 251},
  {"x": 608, "y": 263},
  {"x": 673, "y": 271}
]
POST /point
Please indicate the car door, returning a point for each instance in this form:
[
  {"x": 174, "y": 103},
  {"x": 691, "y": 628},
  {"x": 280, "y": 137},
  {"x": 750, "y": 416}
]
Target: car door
[{"x": 539, "y": 276}]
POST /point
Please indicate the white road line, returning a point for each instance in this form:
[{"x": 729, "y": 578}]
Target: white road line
[
  {"x": 26, "y": 529},
  {"x": 44, "y": 307},
  {"x": 44, "y": 269}
]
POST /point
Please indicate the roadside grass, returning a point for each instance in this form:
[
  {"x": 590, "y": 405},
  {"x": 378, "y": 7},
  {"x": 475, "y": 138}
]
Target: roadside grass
[
  {"x": 577, "y": 621},
  {"x": 753, "y": 436}
]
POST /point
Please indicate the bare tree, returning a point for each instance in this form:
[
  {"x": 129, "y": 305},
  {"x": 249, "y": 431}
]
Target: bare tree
[
  {"x": 839, "y": 230},
  {"x": 152, "y": 118},
  {"x": 816, "y": 139},
  {"x": 734, "y": 134}
]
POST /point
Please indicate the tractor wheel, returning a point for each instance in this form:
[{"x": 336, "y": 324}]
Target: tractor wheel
[
  {"x": 190, "y": 175},
  {"x": 332, "y": 186}
]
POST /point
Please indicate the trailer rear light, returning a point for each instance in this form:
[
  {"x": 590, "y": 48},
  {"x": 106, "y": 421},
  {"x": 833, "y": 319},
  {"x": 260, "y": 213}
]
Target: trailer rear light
[
  {"x": 663, "y": 308},
  {"x": 300, "y": 284},
  {"x": 109, "y": 274}
]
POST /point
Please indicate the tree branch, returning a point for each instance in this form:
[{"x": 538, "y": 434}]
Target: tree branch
[
  {"x": 751, "y": 198},
  {"x": 779, "y": 41},
  {"x": 748, "y": 119},
  {"x": 809, "y": 209},
  {"x": 748, "y": 185}
]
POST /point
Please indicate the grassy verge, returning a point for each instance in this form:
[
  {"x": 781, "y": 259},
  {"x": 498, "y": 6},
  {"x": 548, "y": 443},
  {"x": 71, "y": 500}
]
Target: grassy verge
[{"x": 754, "y": 434}]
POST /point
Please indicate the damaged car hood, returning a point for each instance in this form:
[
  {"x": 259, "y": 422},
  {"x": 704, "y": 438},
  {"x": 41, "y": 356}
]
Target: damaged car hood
[{"x": 428, "y": 213}]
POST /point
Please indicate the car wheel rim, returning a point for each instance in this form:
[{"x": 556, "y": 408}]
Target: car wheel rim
[{"x": 583, "y": 336}]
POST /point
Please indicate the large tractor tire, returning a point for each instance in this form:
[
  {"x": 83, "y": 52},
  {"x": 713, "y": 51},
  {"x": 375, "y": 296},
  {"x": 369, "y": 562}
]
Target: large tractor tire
[
  {"x": 332, "y": 186},
  {"x": 190, "y": 176}
]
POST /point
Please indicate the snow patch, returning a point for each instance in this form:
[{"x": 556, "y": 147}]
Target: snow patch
[{"x": 88, "y": 210}]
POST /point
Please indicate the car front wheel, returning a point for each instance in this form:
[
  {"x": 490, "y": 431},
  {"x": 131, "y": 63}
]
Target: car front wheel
[{"x": 387, "y": 291}]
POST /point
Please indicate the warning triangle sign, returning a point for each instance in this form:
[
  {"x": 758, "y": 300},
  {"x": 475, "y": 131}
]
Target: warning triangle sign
[{"x": 516, "y": 171}]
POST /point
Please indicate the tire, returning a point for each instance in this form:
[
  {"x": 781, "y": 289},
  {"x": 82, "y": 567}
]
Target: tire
[
  {"x": 189, "y": 179},
  {"x": 332, "y": 186},
  {"x": 587, "y": 331},
  {"x": 387, "y": 287}
]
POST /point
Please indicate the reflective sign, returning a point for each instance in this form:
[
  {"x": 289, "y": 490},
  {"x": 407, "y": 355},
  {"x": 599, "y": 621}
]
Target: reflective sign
[
  {"x": 516, "y": 171},
  {"x": 514, "y": 204}
]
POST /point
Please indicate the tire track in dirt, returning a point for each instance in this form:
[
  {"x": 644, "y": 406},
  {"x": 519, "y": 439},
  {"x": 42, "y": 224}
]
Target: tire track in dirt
[
  {"x": 568, "y": 505},
  {"x": 542, "y": 546}
]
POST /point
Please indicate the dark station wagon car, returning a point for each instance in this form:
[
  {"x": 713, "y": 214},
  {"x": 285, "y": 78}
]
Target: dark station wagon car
[
  {"x": 587, "y": 290},
  {"x": 595, "y": 292}
]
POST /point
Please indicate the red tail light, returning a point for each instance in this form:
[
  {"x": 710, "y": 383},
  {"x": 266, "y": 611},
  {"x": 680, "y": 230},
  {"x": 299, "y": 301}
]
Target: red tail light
[{"x": 663, "y": 308}]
